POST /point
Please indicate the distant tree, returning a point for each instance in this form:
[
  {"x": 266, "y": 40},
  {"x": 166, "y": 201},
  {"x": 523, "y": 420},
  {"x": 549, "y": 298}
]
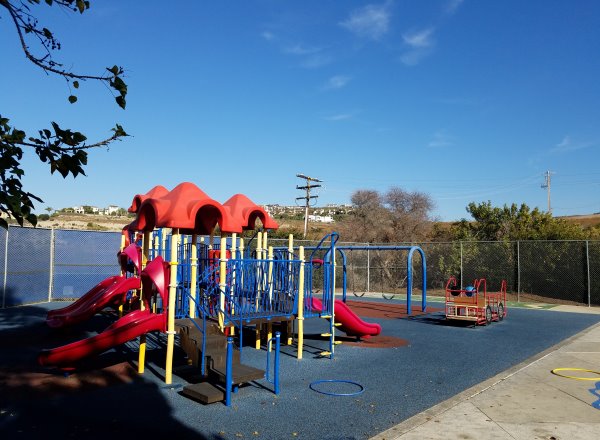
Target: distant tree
[
  {"x": 63, "y": 149},
  {"x": 514, "y": 223},
  {"x": 397, "y": 216},
  {"x": 87, "y": 209},
  {"x": 411, "y": 214}
]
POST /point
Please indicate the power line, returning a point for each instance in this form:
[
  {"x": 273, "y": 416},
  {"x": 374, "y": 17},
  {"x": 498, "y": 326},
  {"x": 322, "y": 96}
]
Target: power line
[{"x": 307, "y": 198}]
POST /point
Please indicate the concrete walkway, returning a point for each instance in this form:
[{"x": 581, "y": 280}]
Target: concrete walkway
[{"x": 525, "y": 402}]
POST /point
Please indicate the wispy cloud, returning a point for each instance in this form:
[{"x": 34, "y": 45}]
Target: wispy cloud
[
  {"x": 453, "y": 5},
  {"x": 316, "y": 60},
  {"x": 339, "y": 117},
  {"x": 567, "y": 145},
  {"x": 370, "y": 21},
  {"x": 441, "y": 140},
  {"x": 269, "y": 36},
  {"x": 300, "y": 49},
  {"x": 419, "y": 39},
  {"x": 311, "y": 57},
  {"x": 418, "y": 45},
  {"x": 337, "y": 82}
]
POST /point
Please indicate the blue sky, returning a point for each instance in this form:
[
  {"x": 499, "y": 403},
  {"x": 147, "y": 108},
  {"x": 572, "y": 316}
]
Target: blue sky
[{"x": 467, "y": 101}]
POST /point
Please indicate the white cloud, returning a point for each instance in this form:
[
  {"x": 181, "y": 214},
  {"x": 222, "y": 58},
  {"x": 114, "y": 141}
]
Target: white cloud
[
  {"x": 567, "y": 145},
  {"x": 370, "y": 21},
  {"x": 311, "y": 57},
  {"x": 419, "y": 39},
  {"x": 441, "y": 140},
  {"x": 299, "y": 49},
  {"x": 419, "y": 44},
  {"x": 337, "y": 82},
  {"x": 339, "y": 117},
  {"x": 268, "y": 36},
  {"x": 453, "y": 5},
  {"x": 315, "y": 61}
]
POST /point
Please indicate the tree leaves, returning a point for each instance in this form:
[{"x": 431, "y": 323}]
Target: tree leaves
[
  {"x": 514, "y": 223},
  {"x": 118, "y": 84},
  {"x": 64, "y": 150}
]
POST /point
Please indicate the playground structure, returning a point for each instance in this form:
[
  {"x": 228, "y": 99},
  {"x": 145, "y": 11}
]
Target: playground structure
[
  {"x": 176, "y": 279},
  {"x": 474, "y": 303}
]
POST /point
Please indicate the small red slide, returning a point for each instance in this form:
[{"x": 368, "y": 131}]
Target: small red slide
[
  {"x": 125, "y": 329},
  {"x": 351, "y": 324},
  {"x": 110, "y": 292}
]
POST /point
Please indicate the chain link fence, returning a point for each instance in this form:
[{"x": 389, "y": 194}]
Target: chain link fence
[{"x": 41, "y": 265}]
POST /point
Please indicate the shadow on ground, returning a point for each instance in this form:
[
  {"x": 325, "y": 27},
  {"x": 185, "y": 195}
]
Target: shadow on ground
[{"x": 103, "y": 399}]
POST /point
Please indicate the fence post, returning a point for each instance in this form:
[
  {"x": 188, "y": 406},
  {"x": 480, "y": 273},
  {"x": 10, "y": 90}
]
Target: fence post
[
  {"x": 461, "y": 264},
  {"x": 368, "y": 271},
  {"x": 51, "y": 277},
  {"x": 587, "y": 261},
  {"x": 518, "y": 271},
  {"x": 5, "y": 268}
]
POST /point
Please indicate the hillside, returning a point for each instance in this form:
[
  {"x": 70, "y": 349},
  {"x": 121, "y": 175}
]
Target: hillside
[{"x": 286, "y": 225}]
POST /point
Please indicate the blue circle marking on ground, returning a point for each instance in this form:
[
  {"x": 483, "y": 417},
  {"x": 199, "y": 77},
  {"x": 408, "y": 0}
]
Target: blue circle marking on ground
[{"x": 314, "y": 386}]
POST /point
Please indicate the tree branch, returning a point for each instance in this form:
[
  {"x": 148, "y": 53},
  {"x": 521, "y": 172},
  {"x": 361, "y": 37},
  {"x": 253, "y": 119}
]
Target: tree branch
[{"x": 40, "y": 61}]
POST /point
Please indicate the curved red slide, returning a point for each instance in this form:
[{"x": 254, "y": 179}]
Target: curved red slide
[
  {"x": 110, "y": 292},
  {"x": 125, "y": 329},
  {"x": 102, "y": 285},
  {"x": 351, "y": 324}
]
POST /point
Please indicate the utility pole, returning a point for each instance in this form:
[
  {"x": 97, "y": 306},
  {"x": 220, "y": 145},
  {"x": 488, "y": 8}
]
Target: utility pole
[
  {"x": 546, "y": 185},
  {"x": 307, "y": 197}
]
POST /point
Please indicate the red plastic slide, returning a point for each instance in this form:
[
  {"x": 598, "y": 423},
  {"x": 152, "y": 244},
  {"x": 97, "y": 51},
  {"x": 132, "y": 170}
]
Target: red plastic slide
[
  {"x": 352, "y": 325},
  {"x": 102, "y": 285},
  {"x": 125, "y": 329},
  {"x": 110, "y": 292}
]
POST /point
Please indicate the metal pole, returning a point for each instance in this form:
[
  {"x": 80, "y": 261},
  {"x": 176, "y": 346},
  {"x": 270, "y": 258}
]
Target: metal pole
[
  {"x": 228, "y": 368},
  {"x": 368, "y": 271},
  {"x": 276, "y": 373},
  {"x": 51, "y": 280},
  {"x": 5, "y": 267},
  {"x": 587, "y": 260},
  {"x": 461, "y": 264},
  {"x": 518, "y": 271}
]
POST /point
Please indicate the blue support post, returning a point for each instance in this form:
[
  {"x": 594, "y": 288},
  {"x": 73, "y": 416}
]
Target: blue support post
[
  {"x": 276, "y": 373},
  {"x": 228, "y": 371}
]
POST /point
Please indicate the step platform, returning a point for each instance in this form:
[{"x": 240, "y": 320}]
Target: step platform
[
  {"x": 204, "y": 392},
  {"x": 241, "y": 374}
]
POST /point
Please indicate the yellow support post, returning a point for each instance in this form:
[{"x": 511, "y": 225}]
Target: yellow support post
[
  {"x": 233, "y": 255},
  {"x": 258, "y": 286},
  {"x": 241, "y": 280},
  {"x": 123, "y": 271},
  {"x": 301, "y": 303},
  {"x": 290, "y": 258},
  {"x": 171, "y": 309},
  {"x": 193, "y": 275},
  {"x": 163, "y": 249},
  {"x": 270, "y": 284},
  {"x": 139, "y": 293},
  {"x": 222, "y": 281},
  {"x": 264, "y": 246}
]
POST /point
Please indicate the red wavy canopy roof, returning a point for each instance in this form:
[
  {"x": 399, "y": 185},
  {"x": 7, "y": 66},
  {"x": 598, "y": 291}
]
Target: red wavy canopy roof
[{"x": 188, "y": 208}]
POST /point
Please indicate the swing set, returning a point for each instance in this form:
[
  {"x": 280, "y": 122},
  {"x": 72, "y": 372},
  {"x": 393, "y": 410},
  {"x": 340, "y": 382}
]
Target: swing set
[{"x": 392, "y": 278}]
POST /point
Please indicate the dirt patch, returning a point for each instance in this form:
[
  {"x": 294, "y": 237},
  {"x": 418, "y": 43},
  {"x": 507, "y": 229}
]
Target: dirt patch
[
  {"x": 382, "y": 310},
  {"x": 21, "y": 384},
  {"x": 379, "y": 341}
]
